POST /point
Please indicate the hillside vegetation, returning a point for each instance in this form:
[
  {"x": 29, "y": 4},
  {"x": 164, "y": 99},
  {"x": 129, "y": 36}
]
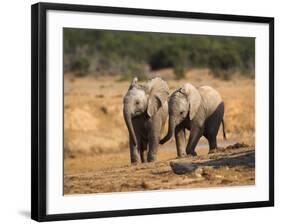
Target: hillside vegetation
[{"x": 129, "y": 54}]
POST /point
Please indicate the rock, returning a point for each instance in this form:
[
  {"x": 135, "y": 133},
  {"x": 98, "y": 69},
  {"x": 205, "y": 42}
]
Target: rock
[
  {"x": 198, "y": 175},
  {"x": 104, "y": 110},
  {"x": 145, "y": 185},
  {"x": 182, "y": 168},
  {"x": 207, "y": 169},
  {"x": 207, "y": 172},
  {"x": 199, "y": 170}
]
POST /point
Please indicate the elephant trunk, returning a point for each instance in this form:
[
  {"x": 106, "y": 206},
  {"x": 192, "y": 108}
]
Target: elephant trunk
[
  {"x": 128, "y": 121},
  {"x": 170, "y": 133}
]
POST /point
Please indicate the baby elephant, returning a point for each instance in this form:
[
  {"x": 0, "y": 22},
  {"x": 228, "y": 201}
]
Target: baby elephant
[
  {"x": 145, "y": 112},
  {"x": 199, "y": 110}
]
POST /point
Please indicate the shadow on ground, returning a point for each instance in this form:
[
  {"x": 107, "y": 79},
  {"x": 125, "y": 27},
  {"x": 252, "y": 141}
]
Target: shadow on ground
[{"x": 247, "y": 159}]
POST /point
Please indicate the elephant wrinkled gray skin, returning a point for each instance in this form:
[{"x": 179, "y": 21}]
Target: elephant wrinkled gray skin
[
  {"x": 145, "y": 110},
  {"x": 199, "y": 110}
]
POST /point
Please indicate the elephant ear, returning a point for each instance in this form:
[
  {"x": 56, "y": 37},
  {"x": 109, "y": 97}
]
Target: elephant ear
[
  {"x": 193, "y": 97},
  {"x": 158, "y": 92},
  {"x": 133, "y": 83}
]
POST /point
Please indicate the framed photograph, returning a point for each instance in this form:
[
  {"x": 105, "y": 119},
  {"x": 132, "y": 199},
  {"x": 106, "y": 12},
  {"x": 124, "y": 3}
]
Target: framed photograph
[{"x": 140, "y": 111}]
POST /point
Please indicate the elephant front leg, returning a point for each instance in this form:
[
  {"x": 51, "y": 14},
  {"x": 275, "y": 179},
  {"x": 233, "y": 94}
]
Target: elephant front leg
[
  {"x": 143, "y": 151},
  {"x": 194, "y": 136},
  {"x": 180, "y": 141},
  {"x": 134, "y": 155},
  {"x": 152, "y": 149},
  {"x": 143, "y": 155}
]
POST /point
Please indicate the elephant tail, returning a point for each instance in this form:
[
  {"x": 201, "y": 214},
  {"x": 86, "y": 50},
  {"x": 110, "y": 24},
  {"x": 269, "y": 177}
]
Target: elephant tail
[{"x": 223, "y": 129}]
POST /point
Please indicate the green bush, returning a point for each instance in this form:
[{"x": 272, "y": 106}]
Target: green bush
[
  {"x": 125, "y": 77},
  {"x": 166, "y": 57},
  {"x": 135, "y": 70},
  {"x": 223, "y": 62},
  {"x": 80, "y": 66},
  {"x": 179, "y": 71}
]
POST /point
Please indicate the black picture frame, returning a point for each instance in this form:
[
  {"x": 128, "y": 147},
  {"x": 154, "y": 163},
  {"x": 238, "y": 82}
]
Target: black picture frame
[{"x": 38, "y": 110}]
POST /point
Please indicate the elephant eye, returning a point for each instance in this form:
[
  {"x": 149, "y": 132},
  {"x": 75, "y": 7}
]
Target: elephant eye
[
  {"x": 181, "y": 112},
  {"x": 137, "y": 102}
]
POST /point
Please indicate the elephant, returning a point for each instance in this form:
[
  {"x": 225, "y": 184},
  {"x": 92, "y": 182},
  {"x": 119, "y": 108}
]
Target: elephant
[
  {"x": 199, "y": 110},
  {"x": 145, "y": 111}
]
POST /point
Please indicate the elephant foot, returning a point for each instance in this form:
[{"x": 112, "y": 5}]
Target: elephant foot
[
  {"x": 151, "y": 158},
  {"x": 192, "y": 153},
  {"x": 180, "y": 155},
  {"x": 214, "y": 150},
  {"x": 135, "y": 161}
]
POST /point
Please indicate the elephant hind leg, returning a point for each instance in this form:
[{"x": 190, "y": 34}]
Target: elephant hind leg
[
  {"x": 212, "y": 126},
  {"x": 212, "y": 143},
  {"x": 210, "y": 135}
]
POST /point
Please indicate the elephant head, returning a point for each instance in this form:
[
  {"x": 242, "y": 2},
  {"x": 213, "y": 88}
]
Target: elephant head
[
  {"x": 183, "y": 102},
  {"x": 143, "y": 98}
]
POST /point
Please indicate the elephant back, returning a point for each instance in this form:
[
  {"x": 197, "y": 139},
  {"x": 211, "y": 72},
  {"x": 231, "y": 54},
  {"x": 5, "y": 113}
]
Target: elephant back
[{"x": 210, "y": 98}]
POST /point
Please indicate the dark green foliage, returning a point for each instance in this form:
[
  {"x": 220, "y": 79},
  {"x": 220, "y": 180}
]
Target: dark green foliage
[
  {"x": 135, "y": 70},
  {"x": 224, "y": 61},
  {"x": 179, "y": 71},
  {"x": 167, "y": 57},
  {"x": 80, "y": 66},
  {"x": 135, "y": 53}
]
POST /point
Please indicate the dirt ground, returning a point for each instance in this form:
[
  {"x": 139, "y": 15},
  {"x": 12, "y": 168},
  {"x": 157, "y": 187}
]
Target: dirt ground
[
  {"x": 230, "y": 167},
  {"x": 96, "y": 155}
]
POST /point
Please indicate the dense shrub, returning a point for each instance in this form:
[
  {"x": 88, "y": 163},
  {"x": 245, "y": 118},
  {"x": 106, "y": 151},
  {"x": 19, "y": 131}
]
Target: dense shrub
[
  {"x": 223, "y": 62},
  {"x": 179, "y": 71},
  {"x": 123, "y": 52},
  {"x": 135, "y": 70},
  {"x": 166, "y": 57},
  {"x": 80, "y": 66}
]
